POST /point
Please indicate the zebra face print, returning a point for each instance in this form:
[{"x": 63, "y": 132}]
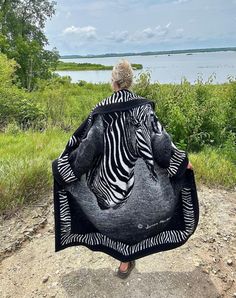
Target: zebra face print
[{"x": 127, "y": 137}]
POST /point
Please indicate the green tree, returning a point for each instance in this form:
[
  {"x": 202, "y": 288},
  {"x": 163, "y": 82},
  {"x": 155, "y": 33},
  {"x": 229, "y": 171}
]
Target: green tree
[
  {"x": 22, "y": 38},
  {"x": 16, "y": 105}
]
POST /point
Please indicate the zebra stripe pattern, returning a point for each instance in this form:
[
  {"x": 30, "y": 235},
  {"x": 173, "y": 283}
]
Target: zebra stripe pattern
[
  {"x": 176, "y": 160},
  {"x": 93, "y": 239},
  {"x": 119, "y": 96},
  {"x": 73, "y": 141},
  {"x": 142, "y": 120},
  {"x": 65, "y": 169}
]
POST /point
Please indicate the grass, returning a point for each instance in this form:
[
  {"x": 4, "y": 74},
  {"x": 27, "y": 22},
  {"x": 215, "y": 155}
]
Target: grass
[
  {"x": 213, "y": 168},
  {"x": 25, "y": 165},
  {"x": 72, "y": 66}
]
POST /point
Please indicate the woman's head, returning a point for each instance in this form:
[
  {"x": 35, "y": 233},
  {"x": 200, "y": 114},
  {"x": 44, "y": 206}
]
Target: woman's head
[{"x": 122, "y": 75}]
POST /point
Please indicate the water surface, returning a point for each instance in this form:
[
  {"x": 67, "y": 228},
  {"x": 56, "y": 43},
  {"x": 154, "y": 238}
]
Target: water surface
[{"x": 165, "y": 68}]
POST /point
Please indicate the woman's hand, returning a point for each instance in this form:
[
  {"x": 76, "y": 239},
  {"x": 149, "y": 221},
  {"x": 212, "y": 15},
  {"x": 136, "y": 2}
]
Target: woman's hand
[{"x": 190, "y": 166}]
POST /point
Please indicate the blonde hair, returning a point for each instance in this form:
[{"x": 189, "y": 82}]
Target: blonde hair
[{"x": 122, "y": 74}]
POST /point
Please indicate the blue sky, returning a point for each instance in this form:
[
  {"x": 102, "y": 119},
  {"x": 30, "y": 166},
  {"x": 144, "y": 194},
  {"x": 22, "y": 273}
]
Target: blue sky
[{"x": 96, "y": 27}]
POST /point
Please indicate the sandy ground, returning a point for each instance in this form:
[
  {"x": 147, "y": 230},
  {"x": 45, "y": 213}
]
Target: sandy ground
[{"x": 204, "y": 267}]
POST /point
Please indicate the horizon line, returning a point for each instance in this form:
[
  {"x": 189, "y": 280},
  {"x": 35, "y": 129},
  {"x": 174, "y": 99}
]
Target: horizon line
[{"x": 160, "y": 52}]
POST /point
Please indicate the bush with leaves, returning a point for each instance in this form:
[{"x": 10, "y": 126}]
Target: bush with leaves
[
  {"x": 16, "y": 105},
  {"x": 195, "y": 115}
]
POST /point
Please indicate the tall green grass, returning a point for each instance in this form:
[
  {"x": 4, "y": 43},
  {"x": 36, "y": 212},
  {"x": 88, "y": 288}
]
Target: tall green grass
[
  {"x": 25, "y": 165},
  {"x": 214, "y": 168}
]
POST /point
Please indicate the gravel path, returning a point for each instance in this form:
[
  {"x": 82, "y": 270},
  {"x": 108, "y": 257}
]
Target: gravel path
[{"x": 205, "y": 267}]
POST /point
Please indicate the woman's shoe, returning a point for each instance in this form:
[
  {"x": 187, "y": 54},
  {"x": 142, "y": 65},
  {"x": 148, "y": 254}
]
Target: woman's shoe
[{"x": 126, "y": 273}]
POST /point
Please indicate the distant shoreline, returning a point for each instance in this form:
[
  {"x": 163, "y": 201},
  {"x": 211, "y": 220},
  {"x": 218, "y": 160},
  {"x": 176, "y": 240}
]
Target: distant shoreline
[
  {"x": 150, "y": 53},
  {"x": 72, "y": 66}
]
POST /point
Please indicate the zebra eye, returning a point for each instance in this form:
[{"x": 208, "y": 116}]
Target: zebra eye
[{"x": 134, "y": 122}]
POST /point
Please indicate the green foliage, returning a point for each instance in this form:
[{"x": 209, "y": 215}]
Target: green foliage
[
  {"x": 142, "y": 84},
  {"x": 195, "y": 115},
  {"x": 214, "y": 168},
  {"x": 7, "y": 71},
  {"x": 137, "y": 66},
  {"x": 22, "y": 38},
  {"x": 16, "y": 105},
  {"x": 25, "y": 165},
  {"x": 81, "y": 66},
  {"x": 231, "y": 111},
  {"x": 66, "y": 105},
  {"x": 19, "y": 108}
]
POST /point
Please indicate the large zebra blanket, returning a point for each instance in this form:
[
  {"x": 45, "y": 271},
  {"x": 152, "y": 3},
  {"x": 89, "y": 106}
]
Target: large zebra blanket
[{"x": 121, "y": 186}]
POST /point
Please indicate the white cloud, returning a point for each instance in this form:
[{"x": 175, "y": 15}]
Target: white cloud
[
  {"x": 148, "y": 33},
  {"x": 118, "y": 36},
  {"x": 161, "y": 32},
  {"x": 157, "y": 33},
  {"x": 88, "y": 32}
]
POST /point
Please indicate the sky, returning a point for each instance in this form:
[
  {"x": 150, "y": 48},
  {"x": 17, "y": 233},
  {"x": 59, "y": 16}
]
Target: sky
[{"x": 85, "y": 27}]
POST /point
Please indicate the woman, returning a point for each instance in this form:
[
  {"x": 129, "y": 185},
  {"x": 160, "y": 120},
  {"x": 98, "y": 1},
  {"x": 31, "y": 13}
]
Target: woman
[{"x": 121, "y": 186}]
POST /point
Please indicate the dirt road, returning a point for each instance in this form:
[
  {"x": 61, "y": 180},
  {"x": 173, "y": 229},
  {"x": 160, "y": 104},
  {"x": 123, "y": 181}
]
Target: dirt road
[{"x": 205, "y": 267}]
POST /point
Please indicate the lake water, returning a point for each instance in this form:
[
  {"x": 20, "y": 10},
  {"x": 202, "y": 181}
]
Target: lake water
[{"x": 165, "y": 68}]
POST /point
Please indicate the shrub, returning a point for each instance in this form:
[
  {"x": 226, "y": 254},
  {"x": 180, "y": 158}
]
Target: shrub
[
  {"x": 16, "y": 105},
  {"x": 195, "y": 115}
]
